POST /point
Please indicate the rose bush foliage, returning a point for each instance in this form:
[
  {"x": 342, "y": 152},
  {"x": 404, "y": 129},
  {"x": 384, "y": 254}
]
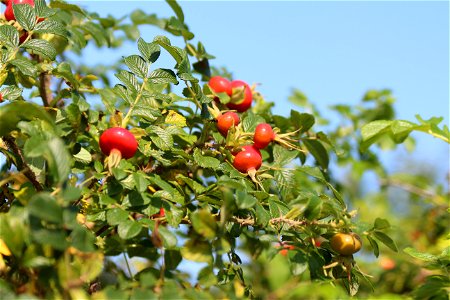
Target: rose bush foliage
[{"x": 76, "y": 223}]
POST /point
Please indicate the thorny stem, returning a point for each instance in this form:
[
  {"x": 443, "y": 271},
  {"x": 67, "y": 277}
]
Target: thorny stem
[{"x": 282, "y": 220}]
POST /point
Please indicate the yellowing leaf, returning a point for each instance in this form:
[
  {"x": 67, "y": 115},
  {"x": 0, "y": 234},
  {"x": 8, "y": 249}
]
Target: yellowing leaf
[
  {"x": 4, "y": 250},
  {"x": 174, "y": 118}
]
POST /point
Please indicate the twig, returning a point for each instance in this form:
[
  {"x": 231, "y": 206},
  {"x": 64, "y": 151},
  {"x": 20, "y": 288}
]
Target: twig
[
  {"x": 128, "y": 266},
  {"x": 21, "y": 163},
  {"x": 413, "y": 189}
]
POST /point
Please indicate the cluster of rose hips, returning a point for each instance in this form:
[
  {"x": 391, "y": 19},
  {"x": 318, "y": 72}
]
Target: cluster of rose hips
[{"x": 249, "y": 159}]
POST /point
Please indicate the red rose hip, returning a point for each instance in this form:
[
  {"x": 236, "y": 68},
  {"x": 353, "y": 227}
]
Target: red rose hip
[
  {"x": 226, "y": 121},
  {"x": 263, "y": 136},
  {"x": 249, "y": 158},
  {"x": 244, "y": 103},
  {"x": 220, "y": 84},
  {"x": 120, "y": 139}
]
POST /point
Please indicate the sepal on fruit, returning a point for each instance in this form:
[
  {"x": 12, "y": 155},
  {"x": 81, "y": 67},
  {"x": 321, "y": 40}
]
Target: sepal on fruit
[{"x": 113, "y": 159}]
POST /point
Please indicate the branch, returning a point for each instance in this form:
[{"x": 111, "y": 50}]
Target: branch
[
  {"x": 44, "y": 88},
  {"x": 409, "y": 188},
  {"x": 44, "y": 85},
  {"x": 21, "y": 163},
  {"x": 279, "y": 220}
]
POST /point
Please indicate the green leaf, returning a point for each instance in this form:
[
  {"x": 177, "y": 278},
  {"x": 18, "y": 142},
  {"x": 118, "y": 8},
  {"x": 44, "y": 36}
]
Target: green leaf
[
  {"x": 386, "y": 240},
  {"x": 163, "y": 138},
  {"x": 205, "y": 161},
  {"x": 197, "y": 250},
  {"x": 116, "y": 216},
  {"x": 150, "y": 51},
  {"x": 162, "y": 76},
  {"x": 82, "y": 239},
  {"x": 42, "y": 10},
  {"x": 140, "y": 181},
  {"x": 138, "y": 17},
  {"x": 55, "y": 238},
  {"x": 277, "y": 208},
  {"x": 318, "y": 151},
  {"x": 25, "y": 66},
  {"x": 83, "y": 156},
  {"x": 172, "y": 258},
  {"x": 45, "y": 207},
  {"x": 97, "y": 32},
  {"x": 381, "y": 224},
  {"x": 178, "y": 54},
  {"x": 122, "y": 92},
  {"x": 40, "y": 47},
  {"x": 13, "y": 113},
  {"x": 177, "y": 9},
  {"x": 434, "y": 287},
  {"x": 374, "y": 244},
  {"x": 169, "y": 239},
  {"x": 194, "y": 185},
  {"x": 316, "y": 173},
  {"x": 9, "y": 36},
  {"x": 401, "y": 129},
  {"x": 128, "y": 229},
  {"x": 67, "y": 6},
  {"x": 207, "y": 278},
  {"x": 187, "y": 77},
  {"x": 244, "y": 200},
  {"x": 25, "y": 16},
  {"x": 204, "y": 224},
  {"x": 250, "y": 122},
  {"x": 129, "y": 80},
  {"x": 314, "y": 208},
  {"x": 178, "y": 28},
  {"x": 64, "y": 70},
  {"x": 298, "y": 263},
  {"x": 11, "y": 92},
  {"x": 144, "y": 111},
  {"x": 51, "y": 26},
  {"x": 137, "y": 65},
  {"x": 283, "y": 156},
  {"x": 420, "y": 255},
  {"x": 262, "y": 215},
  {"x": 373, "y": 131},
  {"x": 302, "y": 121},
  {"x": 58, "y": 159}
]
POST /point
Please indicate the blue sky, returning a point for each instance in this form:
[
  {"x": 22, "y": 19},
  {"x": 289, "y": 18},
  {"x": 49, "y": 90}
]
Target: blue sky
[{"x": 332, "y": 51}]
